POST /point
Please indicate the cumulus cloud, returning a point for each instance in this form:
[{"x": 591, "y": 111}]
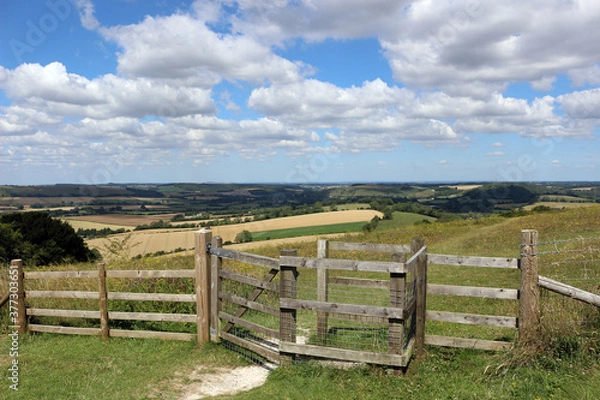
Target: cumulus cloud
[
  {"x": 185, "y": 48},
  {"x": 53, "y": 90},
  {"x": 451, "y": 62}
]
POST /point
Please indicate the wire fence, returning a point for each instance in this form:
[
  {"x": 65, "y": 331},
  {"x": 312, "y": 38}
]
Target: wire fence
[{"x": 575, "y": 261}]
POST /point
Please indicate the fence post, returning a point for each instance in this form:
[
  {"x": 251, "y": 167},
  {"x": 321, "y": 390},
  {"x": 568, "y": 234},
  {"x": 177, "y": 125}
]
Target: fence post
[
  {"x": 529, "y": 303},
  {"x": 420, "y": 295},
  {"x": 215, "y": 287},
  {"x": 103, "y": 301},
  {"x": 322, "y": 290},
  {"x": 288, "y": 290},
  {"x": 397, "y": 300},
  {"x": 203, "y": 266},
  {"x": 21, "y": 322}
]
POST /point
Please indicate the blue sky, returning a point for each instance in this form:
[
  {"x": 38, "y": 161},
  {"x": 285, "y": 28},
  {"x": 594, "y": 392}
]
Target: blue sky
[{"x": 297, "y": 91}]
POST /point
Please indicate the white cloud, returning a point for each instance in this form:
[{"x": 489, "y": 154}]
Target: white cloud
[
  {"x": 582, "y": 105},
  {"x": 86, "y": 14},
  {"x": 496, "y": 154},
  {"x": 185, "y": 48},
  {"x": 51, "y": 89}
]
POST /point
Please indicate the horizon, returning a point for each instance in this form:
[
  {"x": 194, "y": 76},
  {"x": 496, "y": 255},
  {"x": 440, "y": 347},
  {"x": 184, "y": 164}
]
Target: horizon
[{"x": 298, "y": 92}]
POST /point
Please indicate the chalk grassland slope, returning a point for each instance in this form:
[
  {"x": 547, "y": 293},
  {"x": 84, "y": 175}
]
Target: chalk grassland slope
[{"x": 152, "y": 241}]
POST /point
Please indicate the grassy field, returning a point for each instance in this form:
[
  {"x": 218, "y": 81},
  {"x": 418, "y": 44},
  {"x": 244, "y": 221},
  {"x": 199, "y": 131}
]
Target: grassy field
[
  {"x": 567, "y": 367},
  {"x": 402, "y": 219},
  {"x": 308, "y": 231}
]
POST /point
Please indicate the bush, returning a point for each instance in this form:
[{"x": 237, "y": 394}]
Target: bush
[{"x": 244, "y": 236}]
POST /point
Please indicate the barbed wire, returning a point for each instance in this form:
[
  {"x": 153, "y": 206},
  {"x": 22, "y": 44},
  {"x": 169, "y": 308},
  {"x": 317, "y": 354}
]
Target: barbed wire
[
  {"x": 569, "y": 240},
  {"x": 576, "y": 261},
  {"x": 588, "y": 250}
]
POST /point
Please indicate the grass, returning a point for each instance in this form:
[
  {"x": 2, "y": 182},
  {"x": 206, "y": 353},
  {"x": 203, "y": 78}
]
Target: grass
[
  {"x": 81, "y": 367},
  {"x": 308, "y": 231},
  {"x": 402, "y": 219},
  {"x": 567, "y": 367}
]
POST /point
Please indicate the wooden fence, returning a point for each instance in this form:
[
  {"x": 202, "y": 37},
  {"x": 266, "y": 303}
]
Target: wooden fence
[
  {"x": 264, "y": 318},
  {"x": 104, "y": 297}
]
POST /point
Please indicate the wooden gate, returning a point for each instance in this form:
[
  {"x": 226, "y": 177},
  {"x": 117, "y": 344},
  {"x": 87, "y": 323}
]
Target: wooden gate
[
  {"x": 245, "y": 301},
  {"x": 256, "y": 303}
]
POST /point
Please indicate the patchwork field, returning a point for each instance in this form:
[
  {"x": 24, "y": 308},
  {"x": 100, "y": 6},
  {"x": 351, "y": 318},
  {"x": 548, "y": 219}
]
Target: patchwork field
[
  {"x": 121, "y": 220},
  {"x": 152, "y": 241}
]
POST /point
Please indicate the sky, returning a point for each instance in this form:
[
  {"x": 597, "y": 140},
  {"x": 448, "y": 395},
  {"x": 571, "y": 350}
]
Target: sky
[{"x": 299, "y": 91}]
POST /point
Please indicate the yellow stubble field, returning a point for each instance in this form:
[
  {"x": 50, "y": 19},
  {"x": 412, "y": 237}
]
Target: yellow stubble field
[{"x": 152, "y": 241}]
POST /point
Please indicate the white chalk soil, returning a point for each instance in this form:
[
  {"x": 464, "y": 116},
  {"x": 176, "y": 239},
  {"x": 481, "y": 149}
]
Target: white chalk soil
[
  {"x": 224, "y": 382},
  {"x": 205, "y": 382}
]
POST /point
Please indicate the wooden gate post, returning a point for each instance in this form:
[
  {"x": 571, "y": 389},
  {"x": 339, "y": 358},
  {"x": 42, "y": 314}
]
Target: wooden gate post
[
  {"x": 322, "y": 290},
  {"x": 287, "y": 290},
  {"x": 529, "y": 303},
  {"x": 397, "y": 300},
  {"x": 420, "y": 295},
  {"x": 103, "y": 301},
  {"x": 215, "y": 288},
  {"x": 203, "y": 266},
  {"x": 21, "y": 322}
]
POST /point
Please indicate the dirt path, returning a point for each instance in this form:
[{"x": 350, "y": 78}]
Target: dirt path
[
  {"x": 206, "y": 382},
  {"x": 223, "y": 381}
]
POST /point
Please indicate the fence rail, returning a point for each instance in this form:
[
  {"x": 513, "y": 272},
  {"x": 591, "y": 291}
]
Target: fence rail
[{"x": 296, "y": 309}]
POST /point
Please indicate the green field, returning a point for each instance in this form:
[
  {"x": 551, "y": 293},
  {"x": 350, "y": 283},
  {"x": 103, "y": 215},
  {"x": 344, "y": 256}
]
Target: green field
[
  {"x": 402, "y": 219},
  {"x": 308, "y": 231}
]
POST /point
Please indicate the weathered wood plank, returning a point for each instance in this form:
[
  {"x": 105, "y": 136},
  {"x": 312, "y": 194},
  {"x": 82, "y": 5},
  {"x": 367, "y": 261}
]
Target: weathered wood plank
[
  {"x": 103, "y": 301},
  {"x": 202, "y": 283},
  {"x": 411, "y": 264},
  {"x": 253, "y": 305},
  {"x": 345, "y": 355},
  {"x": 63, "y": 330},
  {"x": 468, "y": 261},
  {"x": 216, "y": 305},
  {"x": 569, "y": 291},
  {"x": 472, "y": 319},
  {"x": 186, "y": 337},
  {"x": 181, "y": 298},
  {"x": 346, "y": 265},
  {"x": 49, "y": 312},
  {"x": 145, "y": 316},
  {"x": 352, "y": 309},
  {"x": 247, "y": 258},
  {"x": 147, "y": 273},
  {"x": 270, "y": 354},
  {"x": 249, "y": 280},
  {"x": 420, "y": 291},
  {"x": 322, "y": 289},
  {"x": 60, "y": 274},
  {"x": 249, "y": 325},
  {"x": 476, "y": 344},
  {"x": 60, "y": 294},
  {"x": 473, "y": 291},
  {"x": 371, "y": 247},
  {"x": 360, "y": 282}
]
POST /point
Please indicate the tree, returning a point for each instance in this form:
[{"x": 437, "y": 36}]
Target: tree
[
  {"x": 41, "y": 239},
  {"x": 244, "y": 236}
]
